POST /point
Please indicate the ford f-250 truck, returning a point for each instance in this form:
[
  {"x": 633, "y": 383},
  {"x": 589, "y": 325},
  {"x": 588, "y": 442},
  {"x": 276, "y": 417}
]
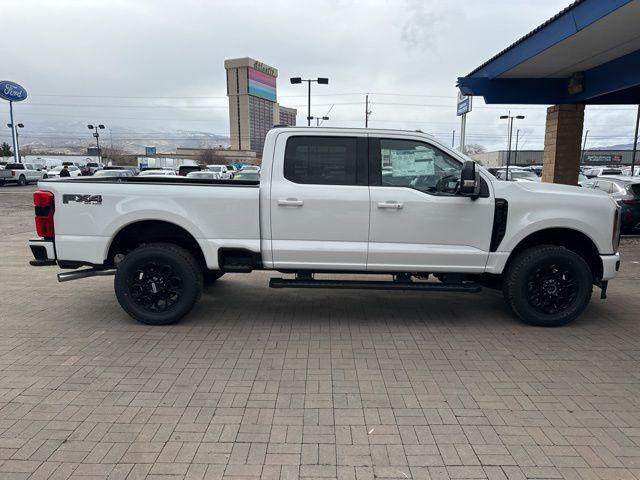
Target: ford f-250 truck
[{"x": 382, "y": 202}]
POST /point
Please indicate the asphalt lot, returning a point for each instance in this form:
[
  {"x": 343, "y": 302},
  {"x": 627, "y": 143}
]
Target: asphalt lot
[{"x": 262, "y": 383}]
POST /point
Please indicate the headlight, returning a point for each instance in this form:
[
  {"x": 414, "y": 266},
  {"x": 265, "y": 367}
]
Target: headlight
[{"x": 615, "y": 237}]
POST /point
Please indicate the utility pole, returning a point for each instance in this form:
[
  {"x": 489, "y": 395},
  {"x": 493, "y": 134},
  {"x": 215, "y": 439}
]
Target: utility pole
[
  {"x": 453, "y": 139},
  {"x": 515, "y": 158},
  {"x": 367, "y": 112},
  {"x": 635, "y": 143},
  {"x": 510, "y": 118},
  {"x": 584, "y": 146}
]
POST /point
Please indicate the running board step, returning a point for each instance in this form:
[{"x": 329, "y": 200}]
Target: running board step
[{"x": 470, "y": 287}]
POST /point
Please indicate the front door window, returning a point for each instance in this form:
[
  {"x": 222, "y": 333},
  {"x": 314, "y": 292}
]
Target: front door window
[{"x": 414, "y": 164}]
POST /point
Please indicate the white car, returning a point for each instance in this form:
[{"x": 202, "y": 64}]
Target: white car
[
  {"x": 517, "y": 175},
  {"x": 158, "y": 173},
  {"x": 598, "y": 171},
  {"x": 226, "y": 172},
  {"x": 73, "y": 171},
  {"x": 250, "y": 168},
  {"x": 324, "y": 206}
]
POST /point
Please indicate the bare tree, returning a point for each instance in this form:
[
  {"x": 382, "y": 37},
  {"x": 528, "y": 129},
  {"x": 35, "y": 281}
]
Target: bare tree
[
  {"x": 208, "y": 157},
  {"x": 473, "y": 148}
]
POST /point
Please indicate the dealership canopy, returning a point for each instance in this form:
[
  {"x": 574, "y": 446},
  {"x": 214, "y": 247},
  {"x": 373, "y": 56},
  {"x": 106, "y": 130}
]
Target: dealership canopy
[{"x": 589, "y": 53}]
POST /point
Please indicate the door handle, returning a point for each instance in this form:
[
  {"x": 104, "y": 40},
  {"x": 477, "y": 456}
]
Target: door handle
[
  {"x": 390, "y": 205},
  {"x": 290, "y": 202}
]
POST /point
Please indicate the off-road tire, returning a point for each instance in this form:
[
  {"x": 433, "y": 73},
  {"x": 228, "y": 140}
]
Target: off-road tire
[
  {"x": 521, "y": 278},
  {"x": 184, "y": 271}
]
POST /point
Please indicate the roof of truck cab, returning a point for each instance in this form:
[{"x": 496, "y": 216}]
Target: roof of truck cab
[{"x": 374, "y": 131}]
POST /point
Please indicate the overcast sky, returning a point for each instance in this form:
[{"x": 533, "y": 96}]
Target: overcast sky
[{"x": 144, "y": 66}]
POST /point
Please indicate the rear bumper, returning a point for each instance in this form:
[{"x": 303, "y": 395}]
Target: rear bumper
[
  {"x": 43, "y": 251},
  {"x": 610, "y": 266}
]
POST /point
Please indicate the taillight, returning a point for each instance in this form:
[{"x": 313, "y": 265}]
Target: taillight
[
  {"x": 630, "y": 200},
  {"x": 13, "y": 173},
  {"x": 45, "y": 208}
]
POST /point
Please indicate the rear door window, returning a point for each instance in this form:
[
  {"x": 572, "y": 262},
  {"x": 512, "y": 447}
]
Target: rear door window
[{"x": 321, "y": 160}]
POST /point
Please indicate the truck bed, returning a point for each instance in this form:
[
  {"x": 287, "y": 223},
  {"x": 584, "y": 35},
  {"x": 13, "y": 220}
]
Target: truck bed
[{"x": 90, "y": 211}]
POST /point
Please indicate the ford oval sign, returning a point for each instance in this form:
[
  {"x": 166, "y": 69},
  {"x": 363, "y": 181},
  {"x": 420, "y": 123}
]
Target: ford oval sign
[{"x": 12, "y": 91}]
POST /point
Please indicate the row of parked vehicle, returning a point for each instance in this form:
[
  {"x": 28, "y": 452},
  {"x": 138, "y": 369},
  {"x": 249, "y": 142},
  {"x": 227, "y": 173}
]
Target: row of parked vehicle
[
  {"x": 26, "y": 173},
  {"x": 213, "y": 172}
]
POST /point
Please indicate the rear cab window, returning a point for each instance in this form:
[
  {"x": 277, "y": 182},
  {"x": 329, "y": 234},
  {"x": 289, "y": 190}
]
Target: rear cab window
[{"x": 321, "y": 160}]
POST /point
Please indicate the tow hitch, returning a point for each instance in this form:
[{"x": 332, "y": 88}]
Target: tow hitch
[{"x": 603, "y": 289}]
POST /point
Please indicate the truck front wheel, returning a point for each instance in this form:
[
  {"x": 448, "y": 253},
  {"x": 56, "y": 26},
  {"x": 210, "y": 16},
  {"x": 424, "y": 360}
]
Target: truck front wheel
[
  {"x": 158, "y": 283},
  {"x": 548, "y": 286}
]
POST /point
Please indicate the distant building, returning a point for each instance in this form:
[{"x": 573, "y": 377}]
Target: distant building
[
  {"x": 498, "y": 158},
  {"x": 253, "y": 107}
]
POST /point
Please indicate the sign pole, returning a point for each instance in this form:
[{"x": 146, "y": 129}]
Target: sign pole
[
  {"x": 463, "y": 128},
  {"x": 13, "y": 133},
  {"x": 635, "y": 143}
]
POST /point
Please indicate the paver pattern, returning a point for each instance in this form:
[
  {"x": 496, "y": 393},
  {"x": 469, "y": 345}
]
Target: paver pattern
[{"x": 260, "y": 383}]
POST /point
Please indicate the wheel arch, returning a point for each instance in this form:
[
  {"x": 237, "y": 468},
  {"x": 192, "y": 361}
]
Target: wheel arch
[
  {"x": 574, "y": 240},
  {"x": 134, "y": 234}
]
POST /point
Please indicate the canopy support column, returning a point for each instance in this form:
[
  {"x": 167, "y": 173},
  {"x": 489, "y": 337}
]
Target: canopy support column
[{"x": 562, "y": 139}]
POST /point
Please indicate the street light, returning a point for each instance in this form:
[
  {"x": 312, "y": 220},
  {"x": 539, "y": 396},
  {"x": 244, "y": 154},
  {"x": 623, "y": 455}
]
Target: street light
[
  {"x": 510, "y": 118},
  {"x": 97, "y": 137},
  {"x": 318, "y": 119},
  {"x": 319, "y": 81},
  {"x": 18, "y": 125}
]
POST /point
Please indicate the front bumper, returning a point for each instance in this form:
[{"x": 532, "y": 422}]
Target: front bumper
[
  {"x": 43, "y": 251},
  {"x": 610, "y": 266}
]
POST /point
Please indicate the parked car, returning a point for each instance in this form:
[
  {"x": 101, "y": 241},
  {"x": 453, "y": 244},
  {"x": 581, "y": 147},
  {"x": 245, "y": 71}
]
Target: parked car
[
  {"x": 91, "y": 168},
  {"x": 517, "y": 175},
  {"x": 226, "y": 172},
  {"x": 23, "y": 173},
  {"x": 247, "y": 176},
  {"x": 537, "y": 169},
  {"x": 73, "y": 171},
  {"x": 183, "y": 170},
  {"x": 627, "y": 171},
  {"x": 113, "y": 173},
  {"x": 598, "y": 171},
  {"x": 157, "y": 173},
  {"x": 626, "y": 192},
  {"x": 250, "y": 168},
  {"x": 324, "y": 206},
  {"x": 132, "y": 168},
  {"x": 204, "y": 174}
]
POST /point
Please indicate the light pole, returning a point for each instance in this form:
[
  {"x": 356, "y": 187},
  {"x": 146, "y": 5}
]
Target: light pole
[
  {"x": 584, "y": 146},
  {"x": 18, "y": 125},
  {"x": 318, "y": 119},
  {"x": 510, "y": 118},
  {"x": 319, "y": 81},
  {"x": 97, "y": 137}
]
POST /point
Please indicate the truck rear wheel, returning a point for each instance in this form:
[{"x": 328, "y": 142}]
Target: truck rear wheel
[
  {"x": 22, "y": 181},
  {"x": 548, "y": 286},
  {"x": 158, "y": 284}
]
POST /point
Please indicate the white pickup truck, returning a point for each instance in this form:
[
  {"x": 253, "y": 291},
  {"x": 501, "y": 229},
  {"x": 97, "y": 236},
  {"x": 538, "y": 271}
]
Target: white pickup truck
[{"x": 381, "y": 202}]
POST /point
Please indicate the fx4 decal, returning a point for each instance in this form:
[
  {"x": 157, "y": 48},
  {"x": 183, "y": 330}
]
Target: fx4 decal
[{"x": 80, "y": 198}]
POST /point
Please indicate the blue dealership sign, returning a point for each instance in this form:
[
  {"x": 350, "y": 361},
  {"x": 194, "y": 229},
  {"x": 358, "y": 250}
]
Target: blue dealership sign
[{"x": 12, "y": 91}]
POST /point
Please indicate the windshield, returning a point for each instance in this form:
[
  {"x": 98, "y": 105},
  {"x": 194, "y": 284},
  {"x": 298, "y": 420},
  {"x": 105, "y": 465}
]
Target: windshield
[
  {"x": 152, "y": 172},
  {"x": 215, "y": 169}
]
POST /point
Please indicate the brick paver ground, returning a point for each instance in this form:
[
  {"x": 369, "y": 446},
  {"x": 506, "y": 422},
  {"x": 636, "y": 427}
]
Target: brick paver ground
[{"x": 260, "y": 383}]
